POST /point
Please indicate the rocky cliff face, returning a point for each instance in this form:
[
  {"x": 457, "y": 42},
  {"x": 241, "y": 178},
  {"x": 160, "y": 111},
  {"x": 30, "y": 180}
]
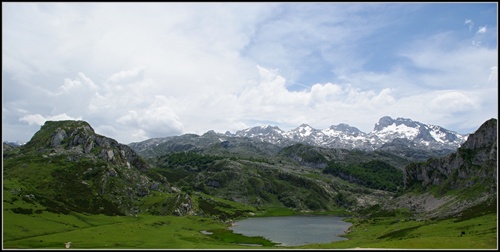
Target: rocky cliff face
[
  {"x": 474, "y": 162},
  {"x": 471, "y": 172}
]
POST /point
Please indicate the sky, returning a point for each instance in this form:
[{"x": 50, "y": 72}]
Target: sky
[{"x": 136, "y": 71}]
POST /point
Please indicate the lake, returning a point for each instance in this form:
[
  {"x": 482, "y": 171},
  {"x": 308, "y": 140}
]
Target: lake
[{"x": 294, "y": 230}]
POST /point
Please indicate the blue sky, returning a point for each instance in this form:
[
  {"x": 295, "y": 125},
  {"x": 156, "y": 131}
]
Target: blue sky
[{"x": 141, "y": 70}]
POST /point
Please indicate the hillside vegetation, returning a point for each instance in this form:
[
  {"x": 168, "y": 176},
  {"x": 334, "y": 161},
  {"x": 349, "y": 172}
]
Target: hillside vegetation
[{"x": 70, "y": 184}]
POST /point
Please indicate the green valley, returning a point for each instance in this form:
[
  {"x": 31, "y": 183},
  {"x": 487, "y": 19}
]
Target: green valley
[{"x": 69, "y": 184}]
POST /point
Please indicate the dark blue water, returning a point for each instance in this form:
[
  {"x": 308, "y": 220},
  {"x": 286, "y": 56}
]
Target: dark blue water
[{"x": 294, "y": 230}]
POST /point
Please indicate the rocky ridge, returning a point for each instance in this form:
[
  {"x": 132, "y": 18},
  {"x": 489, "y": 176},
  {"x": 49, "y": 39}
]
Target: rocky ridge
[{"x": 472, "y": 168}]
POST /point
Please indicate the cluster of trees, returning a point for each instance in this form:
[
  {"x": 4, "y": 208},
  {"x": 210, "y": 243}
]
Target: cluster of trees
[{"x": 374, "y": 174}]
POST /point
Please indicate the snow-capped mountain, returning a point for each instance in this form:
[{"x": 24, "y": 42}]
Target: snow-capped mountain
[
  {"x": 402, "y": 136},
  {"x": 271, "y": 134},
  {"x": 305, "y": 134},
  {"x": 345, "y": 136},
  {"x": 423, "y": 135}
]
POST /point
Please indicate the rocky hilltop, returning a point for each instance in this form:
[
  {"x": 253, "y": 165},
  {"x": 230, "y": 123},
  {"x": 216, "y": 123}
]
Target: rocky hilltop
[
  {"x": 68, "y": 167},
  {"x": 78, "y": 139}
]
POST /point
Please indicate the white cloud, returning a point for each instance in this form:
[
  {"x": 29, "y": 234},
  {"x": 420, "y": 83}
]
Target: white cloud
[
  {"x": 155, "y": 69},
  {"x": 24, "y": 111},
  {"x": 157, "y": 120},
  {"x": 451, "y": 102},
  {"x": 493, "y": 78},
  {"x": 469, "y": 23},
  {"x": 70, "y": 84},
  {"x": 448, "y": 65},
  {"x": 322, "y": 105},
  {"x": 481, "y": 29},
  {"x": 131, "y": 75},
  {"x": 40, "y": 120}
]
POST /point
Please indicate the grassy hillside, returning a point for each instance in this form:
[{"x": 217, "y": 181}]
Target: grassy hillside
[
  {"x": 35, "y": 227},
  {"x": 70, "y": 185}
]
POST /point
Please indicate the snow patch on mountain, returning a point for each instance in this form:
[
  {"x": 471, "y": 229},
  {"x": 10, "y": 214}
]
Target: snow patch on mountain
[{"x": 401, "y": 130}]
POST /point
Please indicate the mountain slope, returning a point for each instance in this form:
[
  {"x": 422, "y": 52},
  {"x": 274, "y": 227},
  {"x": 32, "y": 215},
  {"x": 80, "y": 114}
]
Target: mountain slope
[
  {"x": 209, "y": 143},
  {"x": 448, "y": 185}
]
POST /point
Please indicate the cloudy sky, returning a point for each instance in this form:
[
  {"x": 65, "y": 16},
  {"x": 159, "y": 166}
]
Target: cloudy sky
[{"x": 135, "y": 71}]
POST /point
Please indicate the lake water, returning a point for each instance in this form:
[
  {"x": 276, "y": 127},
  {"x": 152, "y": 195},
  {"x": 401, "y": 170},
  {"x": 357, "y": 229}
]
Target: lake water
[{"x": 294, "y": 230}]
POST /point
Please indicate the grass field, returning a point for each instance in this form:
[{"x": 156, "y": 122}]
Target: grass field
[
  {"x": 27, "y": 225},
  {"x": 50, "y": 231}
]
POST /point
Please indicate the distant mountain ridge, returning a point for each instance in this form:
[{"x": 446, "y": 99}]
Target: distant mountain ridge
[
  {"x": 345, "y": 136},
  {"x": 401, "y": 136}
]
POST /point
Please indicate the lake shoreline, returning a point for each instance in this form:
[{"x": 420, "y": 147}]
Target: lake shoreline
[{"x": 289, "y": 230}]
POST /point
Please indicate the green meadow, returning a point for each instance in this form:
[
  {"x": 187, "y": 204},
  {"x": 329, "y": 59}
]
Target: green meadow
[{"x": 50, "y": 231}]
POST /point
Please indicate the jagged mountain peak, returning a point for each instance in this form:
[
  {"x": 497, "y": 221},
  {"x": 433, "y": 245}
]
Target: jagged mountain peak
[
  {"x": 388, "y": 129},
  {"x": 304, "y": 128},
  {"x": 210, "y": 133},
  {"x": 259, "y": 130},
  {"x": 345, "y": 128},
  {"x": 485, "y": 136},
  {"x": 267, "y": 126},
  {"x": 303, "y": 131},
  {"x": 387, "y": 122},
  {"x": 272, "y": 128},
  {"x": 304, "y": 125},
  {"x": 383, "y": 122}
]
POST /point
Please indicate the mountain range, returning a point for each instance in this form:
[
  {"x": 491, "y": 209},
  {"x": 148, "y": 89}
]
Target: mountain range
[
  {"x": 348, "y": 137},
  {"x": 401, "y": 136}
]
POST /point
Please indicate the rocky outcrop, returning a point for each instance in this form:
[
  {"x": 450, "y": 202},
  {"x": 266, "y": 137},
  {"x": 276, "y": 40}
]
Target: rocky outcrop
[
  {"x": 180, "y": 204},
  {"x": 484, "y": 137},
  {"x": 102, "y": 170},
  {"x": 81, "y": 137},
  {"x": 57, "y": 137},
  {"x": 474, "y": 161},
  {"x": 9, "y": 149},
  {"x": 473, "y": 165}
]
